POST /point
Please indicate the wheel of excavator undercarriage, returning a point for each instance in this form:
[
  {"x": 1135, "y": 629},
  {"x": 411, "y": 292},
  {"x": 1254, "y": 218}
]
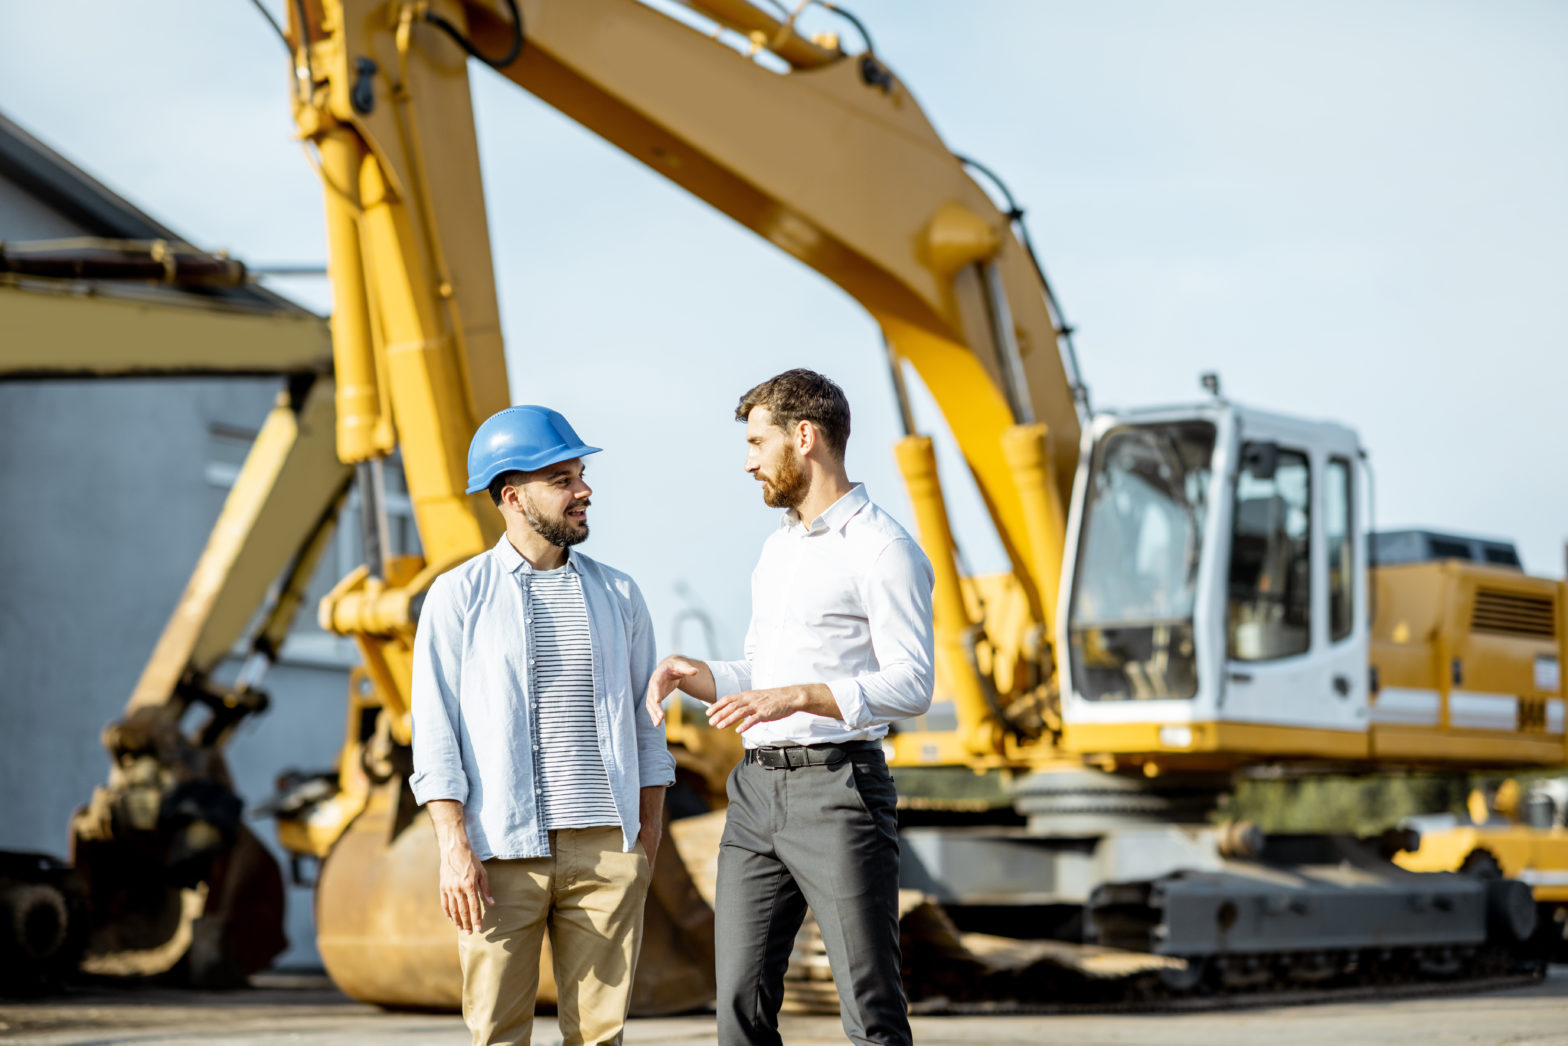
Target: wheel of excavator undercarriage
[
  {"x": 1244, "y": 971},
  {"x": 1482, "y": 865},
  {"x": 1189, "y": 979},
  {"x": 1551, "y": 930}
]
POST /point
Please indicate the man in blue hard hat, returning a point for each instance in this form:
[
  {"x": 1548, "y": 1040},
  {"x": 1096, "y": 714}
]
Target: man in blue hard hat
[
  {"x": 541, "y": 768},
  {"x": 840, "y": 646}
]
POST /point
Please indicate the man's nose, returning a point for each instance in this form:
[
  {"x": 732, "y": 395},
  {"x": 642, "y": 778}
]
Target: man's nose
[{"x": 583, "y": 490}]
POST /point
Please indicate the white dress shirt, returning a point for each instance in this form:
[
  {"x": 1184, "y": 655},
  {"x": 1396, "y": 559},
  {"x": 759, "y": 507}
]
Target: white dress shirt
[{"x": 846, "y": 603}]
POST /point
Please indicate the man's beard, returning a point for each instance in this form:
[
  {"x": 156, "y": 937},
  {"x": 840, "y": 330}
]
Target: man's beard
[
  {"x": 789, "y": 484},
  {"x": 559, "y": 531}
]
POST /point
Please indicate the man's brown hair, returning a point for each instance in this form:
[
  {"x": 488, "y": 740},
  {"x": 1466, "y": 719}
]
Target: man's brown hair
[{"x": 802, "y": 395}]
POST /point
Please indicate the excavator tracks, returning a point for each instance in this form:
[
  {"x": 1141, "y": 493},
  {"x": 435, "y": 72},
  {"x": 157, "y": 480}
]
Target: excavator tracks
[
  {"x": 1216, "y": 1003},
  {"x": 950, "y": 972}
]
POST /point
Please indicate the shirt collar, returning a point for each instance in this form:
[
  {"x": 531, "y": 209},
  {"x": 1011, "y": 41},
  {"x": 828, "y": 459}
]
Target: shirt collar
[
  {"x": 512, "y": 560},
  {"x": 836, "y": 515}
]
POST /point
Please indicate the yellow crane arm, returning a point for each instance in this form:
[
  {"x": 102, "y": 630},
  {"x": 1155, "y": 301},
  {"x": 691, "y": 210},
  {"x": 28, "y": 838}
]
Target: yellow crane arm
[
  {"x": 832, "y": 161},
  {"x": 60, "y": 329},
  {"x": 847, "y": 175}
]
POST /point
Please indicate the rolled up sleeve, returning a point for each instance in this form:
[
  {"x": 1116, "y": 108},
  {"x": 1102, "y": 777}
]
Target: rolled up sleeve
[
  {"x": 438, "y": 656},
  {"x": 898, "y": 611},
  {"x": 655, "y": 764}
]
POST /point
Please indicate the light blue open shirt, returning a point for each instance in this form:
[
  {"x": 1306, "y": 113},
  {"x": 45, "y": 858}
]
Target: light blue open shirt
[{"x": 475, "y": 728}]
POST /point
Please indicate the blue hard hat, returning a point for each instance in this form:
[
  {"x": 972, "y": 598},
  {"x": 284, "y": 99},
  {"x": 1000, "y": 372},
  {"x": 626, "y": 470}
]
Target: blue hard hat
[{"x": 521, "y": 439}]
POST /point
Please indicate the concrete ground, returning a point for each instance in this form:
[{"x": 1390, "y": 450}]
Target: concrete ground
[{"x": 307, "y": 1012}]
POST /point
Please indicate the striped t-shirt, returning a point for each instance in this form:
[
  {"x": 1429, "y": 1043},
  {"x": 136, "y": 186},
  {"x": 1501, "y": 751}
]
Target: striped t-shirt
[{"x": 574, "y": 785}]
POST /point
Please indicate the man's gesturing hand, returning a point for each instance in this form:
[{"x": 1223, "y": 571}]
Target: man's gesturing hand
[
  {"x": 671, "y": 673},
  {"x": 747, "y": 708}
]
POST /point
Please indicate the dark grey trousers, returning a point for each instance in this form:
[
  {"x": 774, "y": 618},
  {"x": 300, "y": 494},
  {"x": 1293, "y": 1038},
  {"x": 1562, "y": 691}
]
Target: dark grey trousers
[{"x": 824, "y": 836}]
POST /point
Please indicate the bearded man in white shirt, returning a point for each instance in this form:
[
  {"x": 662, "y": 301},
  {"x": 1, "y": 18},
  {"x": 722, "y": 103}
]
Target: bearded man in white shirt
[{"x": 839, "y": 647}]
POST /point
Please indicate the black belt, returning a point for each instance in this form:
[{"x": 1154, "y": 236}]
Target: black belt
[{"x": 789, "y": 757}]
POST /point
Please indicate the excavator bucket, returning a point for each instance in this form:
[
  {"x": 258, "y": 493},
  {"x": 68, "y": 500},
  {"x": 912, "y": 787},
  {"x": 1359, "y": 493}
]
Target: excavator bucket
[
  {"x": 384, "y": 940},
  {"x": 211, "y": 932},
  {"x": 176, "y": 886}
]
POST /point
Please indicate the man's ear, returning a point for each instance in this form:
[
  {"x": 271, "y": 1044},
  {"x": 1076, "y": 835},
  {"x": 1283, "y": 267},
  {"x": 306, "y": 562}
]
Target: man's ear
[{"x": 805, "y": 436}]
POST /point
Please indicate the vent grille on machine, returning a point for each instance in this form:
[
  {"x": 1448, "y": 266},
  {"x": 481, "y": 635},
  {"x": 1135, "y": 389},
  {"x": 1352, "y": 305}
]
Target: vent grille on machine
[{"x": 1512, "y": 614}]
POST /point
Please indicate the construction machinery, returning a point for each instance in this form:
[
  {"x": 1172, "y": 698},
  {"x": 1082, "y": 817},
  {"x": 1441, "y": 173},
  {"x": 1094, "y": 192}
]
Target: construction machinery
[
  {"x": 163, "y": 873},
  {"x": 1513, "y": 829},
  {"x": 1188, "y": 592}
]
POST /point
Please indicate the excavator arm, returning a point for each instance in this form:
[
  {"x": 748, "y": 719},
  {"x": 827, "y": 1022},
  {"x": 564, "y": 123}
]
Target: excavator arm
[
  {"x": 829, "y": 157},
  {"x": 831, "y": 160}
]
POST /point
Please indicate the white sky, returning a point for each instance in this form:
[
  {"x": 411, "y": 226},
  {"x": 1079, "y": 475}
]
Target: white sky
[{"x": 1351, "y": 210}]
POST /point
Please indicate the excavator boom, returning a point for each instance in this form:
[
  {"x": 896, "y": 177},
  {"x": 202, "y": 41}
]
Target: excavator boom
[{"x": 830, "y": 159}]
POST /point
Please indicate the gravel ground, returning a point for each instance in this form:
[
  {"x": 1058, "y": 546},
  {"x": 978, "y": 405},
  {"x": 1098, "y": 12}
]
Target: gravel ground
[{"x": 306, "y": 1011}]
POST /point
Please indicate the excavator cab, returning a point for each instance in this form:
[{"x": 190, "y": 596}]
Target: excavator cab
[{"x": 1214, "y": 589}]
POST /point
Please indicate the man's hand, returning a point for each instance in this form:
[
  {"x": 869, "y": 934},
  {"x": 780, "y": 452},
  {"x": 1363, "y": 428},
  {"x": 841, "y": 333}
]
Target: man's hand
[
  {"x": 677, "y": 672},
  {"x": 464, "y": 883},
  {"x": 747, "y": 708},
  {"x": 651, "y": 816}
]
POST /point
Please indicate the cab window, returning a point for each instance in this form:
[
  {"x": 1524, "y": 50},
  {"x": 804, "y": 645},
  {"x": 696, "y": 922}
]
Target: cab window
[
  {"x": 1270, "y": 582},
  {"x": 1339, "y": 532}
]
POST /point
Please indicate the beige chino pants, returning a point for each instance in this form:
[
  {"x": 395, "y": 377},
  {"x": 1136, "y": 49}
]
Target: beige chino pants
[{"x": 588, "y": 895}]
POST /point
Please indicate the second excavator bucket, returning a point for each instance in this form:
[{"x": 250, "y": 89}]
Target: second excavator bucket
[{"x": 384, "y": 940}]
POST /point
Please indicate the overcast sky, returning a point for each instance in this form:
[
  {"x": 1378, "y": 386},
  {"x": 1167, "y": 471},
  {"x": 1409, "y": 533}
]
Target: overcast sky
[{"x": 1350, "y": 210}]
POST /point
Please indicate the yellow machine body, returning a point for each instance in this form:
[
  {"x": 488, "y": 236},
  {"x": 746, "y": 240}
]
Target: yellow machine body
[
  {"x": 1535, "y": 856},
  {"x": 1518, "y": 830},
  {"x": 1468, "y": 660}
]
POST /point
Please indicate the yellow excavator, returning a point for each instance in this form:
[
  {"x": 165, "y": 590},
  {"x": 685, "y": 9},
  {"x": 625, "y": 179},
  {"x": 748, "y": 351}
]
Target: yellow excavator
[
  {"x": 1190, "y": 592},
  {"x": 1510, "y": 828}
]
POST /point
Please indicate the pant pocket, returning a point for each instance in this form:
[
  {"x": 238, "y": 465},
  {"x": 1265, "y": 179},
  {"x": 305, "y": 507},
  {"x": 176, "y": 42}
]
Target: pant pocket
[{"x": 873, "y": 786}]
